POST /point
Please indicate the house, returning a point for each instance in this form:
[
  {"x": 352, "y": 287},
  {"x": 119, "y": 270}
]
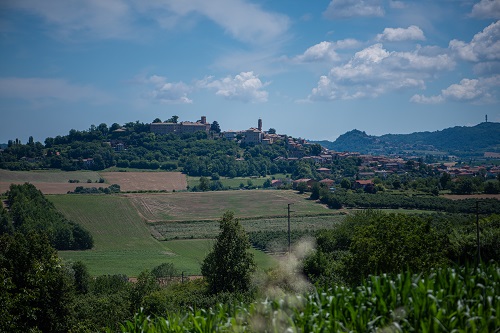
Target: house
[
  {"x": 230, "y": 135},
  {"x": 324, "y": 171},
  {"x": 309, "y": 182},
  {"x": 327, "y": 182},
  {"x": 362, "y": 183},
  {"x": 275, "y": 183},
  {"x": 252, "y": 136}
]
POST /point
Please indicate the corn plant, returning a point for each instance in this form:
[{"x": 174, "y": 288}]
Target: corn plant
[{"x": 446, "y": 300}]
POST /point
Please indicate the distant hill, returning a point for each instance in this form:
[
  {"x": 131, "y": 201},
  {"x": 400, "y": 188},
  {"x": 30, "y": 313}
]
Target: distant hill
[
  {"x": 3, "y": 145},
  {"x": 460, "y": 141}
]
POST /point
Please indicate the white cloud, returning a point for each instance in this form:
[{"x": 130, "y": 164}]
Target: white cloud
[
  {"x": 374, "y": 71},
  {"x": 480, "y": 90},
  {"x": 168, "y": 92},
  {"x": 401, "y": 34},
  {"x": 467, "y": 89},
  {"x": 43, "y": 89},
  {"x": 242, "y": 20},
  {"x": 421, "y": 99},
  {"x": 353, "y": 8},
  {"x": 325, "y": 51},
  {"x": 245, "y": 87},
  {"x": 486, "y": 9},
  {"x": 484, "y": 46}
]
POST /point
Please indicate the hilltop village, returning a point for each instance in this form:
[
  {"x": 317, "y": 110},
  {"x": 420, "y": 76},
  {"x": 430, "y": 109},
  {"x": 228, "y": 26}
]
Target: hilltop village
[{"x": 201, "y": 149}]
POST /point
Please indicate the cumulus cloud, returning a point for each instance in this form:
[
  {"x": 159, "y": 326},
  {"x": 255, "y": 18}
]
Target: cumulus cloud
[
  {"x": 325, "y": 51},
  {"x": 168, "y": 92},
  {"x": 353, "y": 8},
  {"x": 401, "y": 34},
  {"x": 374, "y": 71},
  {"x": 468, "y": 90},
  {"x": 246, "y": 87},
  {"x": 486, "y": 9},
  {"x": 484, "y": 46},
  {"x": 44, "y": 89}
]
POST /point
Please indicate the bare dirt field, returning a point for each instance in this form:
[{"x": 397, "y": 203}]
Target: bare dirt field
[
  {"x": 146, "y": 181},
  {"x": 472, "y": 196}
]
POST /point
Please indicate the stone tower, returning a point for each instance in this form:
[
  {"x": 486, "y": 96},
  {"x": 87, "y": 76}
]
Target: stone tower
[{"x": 259, "y": 126}]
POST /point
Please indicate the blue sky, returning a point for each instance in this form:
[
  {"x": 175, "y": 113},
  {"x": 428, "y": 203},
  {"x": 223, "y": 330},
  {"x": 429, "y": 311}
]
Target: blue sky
[{"x": 311, "y": 69}]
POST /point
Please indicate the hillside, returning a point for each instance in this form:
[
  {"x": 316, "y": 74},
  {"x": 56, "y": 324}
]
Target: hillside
[{"x": 460, "y": 140}]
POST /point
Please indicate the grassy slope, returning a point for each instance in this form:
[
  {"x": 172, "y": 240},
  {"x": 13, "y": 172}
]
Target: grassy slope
[
  {"x": 233, "y": 183},
  {"x": 123, "y": 243}
]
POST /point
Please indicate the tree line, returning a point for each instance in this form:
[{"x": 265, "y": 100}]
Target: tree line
[{"x": 29, "y": 211}]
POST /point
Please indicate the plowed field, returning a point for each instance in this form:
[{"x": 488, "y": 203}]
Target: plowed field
[{"x": 146, "y": 181}]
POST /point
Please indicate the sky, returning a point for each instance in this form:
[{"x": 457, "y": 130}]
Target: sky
[{"x": 309, "y": 69}]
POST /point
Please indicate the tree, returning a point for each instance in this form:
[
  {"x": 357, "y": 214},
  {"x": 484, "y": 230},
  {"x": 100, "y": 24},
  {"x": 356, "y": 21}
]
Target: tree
[
  {"x": 345, "y": 183},
  {"x": 228, "y": 267},
  {"x": 204, "y": 184},
  {"x": 173, "y": 119},
  {"x": 315, "y": 190},
  {"x": 271, "y": 131},
  {"x": 215, "y": 127},
  {"x": 301, "y": 187},
  {"x": 157, "y": 120},
  {"x": 445, "y": 180},
  {"x": 35, "y": 292}
]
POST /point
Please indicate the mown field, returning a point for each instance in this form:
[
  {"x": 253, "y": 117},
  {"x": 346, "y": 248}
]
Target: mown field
[
  {"x": 123, "y": 242},
  {"x": 199, "y": 206}
]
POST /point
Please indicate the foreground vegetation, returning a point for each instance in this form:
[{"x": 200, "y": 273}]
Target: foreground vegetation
[{"x": 445, "y": 300}]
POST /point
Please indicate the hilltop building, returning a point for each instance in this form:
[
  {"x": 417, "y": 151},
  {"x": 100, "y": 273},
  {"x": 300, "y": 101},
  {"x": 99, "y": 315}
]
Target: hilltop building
[{"x": 181, "y": 128}]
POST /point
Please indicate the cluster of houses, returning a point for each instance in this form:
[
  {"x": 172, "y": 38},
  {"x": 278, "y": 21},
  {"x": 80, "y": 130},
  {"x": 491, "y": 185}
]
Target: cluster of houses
[
  {"x": 377, "y": 167},
  {"x": 468, "y": 171},
  {"x": 253, "y": 135}
]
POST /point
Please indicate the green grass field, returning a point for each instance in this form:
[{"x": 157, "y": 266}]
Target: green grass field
[
  {"x": 209, "y": 229},
  {"x": 123, "y": 242},
  {"x": 231, "y": 183}
]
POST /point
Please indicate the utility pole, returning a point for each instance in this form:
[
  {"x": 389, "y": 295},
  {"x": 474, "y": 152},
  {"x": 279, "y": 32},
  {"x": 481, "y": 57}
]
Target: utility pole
[
  {"x": 289, "y": 238},
  {"x": 477, "y": 234}
]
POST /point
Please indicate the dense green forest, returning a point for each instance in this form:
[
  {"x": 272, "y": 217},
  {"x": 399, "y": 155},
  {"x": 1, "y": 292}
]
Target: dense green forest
[
  {"x": 30, "y": 212},
  {"x": 461, "y": 141}
]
